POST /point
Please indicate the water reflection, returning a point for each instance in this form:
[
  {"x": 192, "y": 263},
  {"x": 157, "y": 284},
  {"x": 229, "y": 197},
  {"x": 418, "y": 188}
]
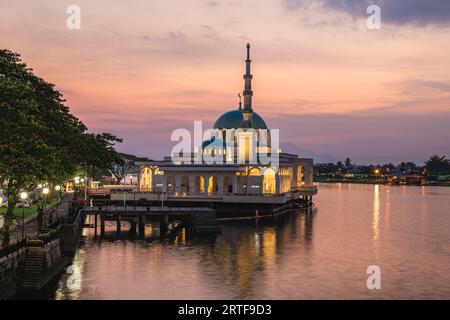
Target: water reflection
[
  {"x": 254, "y": 250},
  {"x": 376, "y": 215},
  {"x": 318, "y": 255},
  {"x": 230, "y": 262}
]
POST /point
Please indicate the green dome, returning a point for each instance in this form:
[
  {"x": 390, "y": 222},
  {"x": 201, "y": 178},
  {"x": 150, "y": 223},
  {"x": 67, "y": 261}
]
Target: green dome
[{"x": 235, "y": 119}]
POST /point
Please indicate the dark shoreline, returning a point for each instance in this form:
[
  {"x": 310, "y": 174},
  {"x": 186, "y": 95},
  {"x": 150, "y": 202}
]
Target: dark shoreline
[{"x": 437, "y": 184}]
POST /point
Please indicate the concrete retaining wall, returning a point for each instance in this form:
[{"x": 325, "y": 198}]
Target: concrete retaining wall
[
  {"x": 53, "y": 254},
  {"x": 10, "y": 267}
]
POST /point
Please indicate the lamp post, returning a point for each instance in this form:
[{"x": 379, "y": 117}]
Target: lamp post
[
  {"x": 77, "y": 181},
  {"x": 58, "y": 189},
  {"x": 23, "y": 196},
  {"x": 45, "y": 192}
]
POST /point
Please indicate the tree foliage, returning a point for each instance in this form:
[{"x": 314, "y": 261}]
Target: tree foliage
[
  {"x": 437, "y": 165},
  {"x": 40, "y": 139}
]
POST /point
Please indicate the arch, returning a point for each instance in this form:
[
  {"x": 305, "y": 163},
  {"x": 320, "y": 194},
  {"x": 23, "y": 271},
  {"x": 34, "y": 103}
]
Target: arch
[
  {"x": 185, "y": 187},
  {"x": 213, "y": 186},
  {"x": 254, "y": 171},
  {"x": 254, "y": 180},
  {"x": 170, "y": 184},
  {"x": 145, "y": 181},
  {"x": 269, "y": 181},
  {"x": 199, "y": 184},
  {"x": 228, "y": 184}
]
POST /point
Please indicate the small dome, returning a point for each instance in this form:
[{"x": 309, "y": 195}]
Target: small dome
[
  {"x": 235, "y": 119},
  {"x": 258, "y": 122},
  {"x": 213, "y": 142}
]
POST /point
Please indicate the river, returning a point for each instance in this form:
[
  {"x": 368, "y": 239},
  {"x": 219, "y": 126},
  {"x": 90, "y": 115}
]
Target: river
[{"x": 323, "y": 254}]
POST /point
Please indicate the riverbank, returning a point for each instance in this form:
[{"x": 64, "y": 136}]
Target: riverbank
[
  {"x": 383, "y": 182},
  {"x": 30, "y": 264}
]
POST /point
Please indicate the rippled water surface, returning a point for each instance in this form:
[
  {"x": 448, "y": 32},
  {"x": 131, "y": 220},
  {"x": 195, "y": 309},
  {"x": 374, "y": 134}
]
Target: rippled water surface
[{"x": 320, "y": 255}]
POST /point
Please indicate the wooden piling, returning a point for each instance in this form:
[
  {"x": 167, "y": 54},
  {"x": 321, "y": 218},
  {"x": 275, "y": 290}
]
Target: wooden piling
[
  {"x": 141, "y": 226},
  {"x": 133, "y": 228},
  {"x": 164, "y": 221},
  {"x": 119, "y": 225},
  {"x": 102, "y": 227},
  {"x": 95, "y": 226}
]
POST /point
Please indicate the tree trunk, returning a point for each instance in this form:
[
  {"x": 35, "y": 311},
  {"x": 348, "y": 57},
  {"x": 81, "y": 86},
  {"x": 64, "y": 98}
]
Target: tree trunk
[
  {"x": 10, "y": 210},
  {"x": 4, "y": 235}
]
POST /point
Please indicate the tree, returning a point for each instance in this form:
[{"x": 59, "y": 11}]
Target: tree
[
  {"x": 40, "y": 140},
  {"x": 348, "y": 163},
  {"x": 437, "y": 165},
  {"x": 340, "y": 165},
  {"x": 121, "y": 167}
]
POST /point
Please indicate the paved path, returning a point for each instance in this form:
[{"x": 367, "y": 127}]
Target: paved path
[{"x": 52, "y": 213}]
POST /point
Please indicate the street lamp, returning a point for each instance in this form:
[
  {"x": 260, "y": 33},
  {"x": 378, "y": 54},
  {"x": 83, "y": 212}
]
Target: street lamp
[
  {"x": 45, "y": 192},
  {"x": 58, "y": 189},
  {"x": 23, "y": 196}
]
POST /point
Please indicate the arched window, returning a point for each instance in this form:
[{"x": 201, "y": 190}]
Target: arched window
[
  {"x": 269, "y": 182},
  {"x": 213, "y": 186}
]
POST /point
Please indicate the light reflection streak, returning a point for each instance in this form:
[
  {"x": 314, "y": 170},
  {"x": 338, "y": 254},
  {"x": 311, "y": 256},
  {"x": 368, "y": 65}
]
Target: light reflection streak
[{"x": 376, "y": 218}]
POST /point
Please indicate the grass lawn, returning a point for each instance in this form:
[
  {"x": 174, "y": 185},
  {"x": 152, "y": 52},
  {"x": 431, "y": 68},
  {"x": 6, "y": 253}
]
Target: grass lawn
[{"x": 29, "y": 211}]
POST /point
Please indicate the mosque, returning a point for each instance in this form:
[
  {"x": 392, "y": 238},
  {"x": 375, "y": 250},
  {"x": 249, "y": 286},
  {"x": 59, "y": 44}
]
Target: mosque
[{"x": 240, "y": 180}]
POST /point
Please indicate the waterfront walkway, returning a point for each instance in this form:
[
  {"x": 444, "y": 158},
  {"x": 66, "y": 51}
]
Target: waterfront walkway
[{"x": 52, "y": 214}]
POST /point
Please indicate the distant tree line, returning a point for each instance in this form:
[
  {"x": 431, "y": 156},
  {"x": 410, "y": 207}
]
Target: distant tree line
[{"x": 434, "y": 166}]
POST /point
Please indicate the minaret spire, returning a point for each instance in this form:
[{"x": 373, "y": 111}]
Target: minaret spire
[{"x": 248, "y": 93}]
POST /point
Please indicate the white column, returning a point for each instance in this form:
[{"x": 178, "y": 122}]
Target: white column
[
  {"x": 191, "y": 184},
  {"x": 139, "y": 178},
  {"x": 277, "y": 183},
  {"x": 153, "y": 184},
  {"x": 164, "y": 183},
  {"x": 177, "y": 183},
  {"x": 308, "y": 175},
  {"x": 261, "y": 184},
  {"x": 235, "y": 185},
  {"x": 220, "y": 184},
  {"x": 206, "y": 183}
]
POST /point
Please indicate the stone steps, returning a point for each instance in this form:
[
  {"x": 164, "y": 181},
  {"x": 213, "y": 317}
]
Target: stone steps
[{"x": 32, "y": 271}]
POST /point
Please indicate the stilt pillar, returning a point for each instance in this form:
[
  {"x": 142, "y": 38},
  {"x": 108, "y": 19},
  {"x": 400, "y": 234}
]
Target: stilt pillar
[
  {"x": 119, "y": 225},
  {"x": 164, "y": 221},
  {"x": 95, "y": 226},
  {"x": 102, "y": 227},
  {"x": 142, "y": 226},
  {"x": 133, "y": 224}
]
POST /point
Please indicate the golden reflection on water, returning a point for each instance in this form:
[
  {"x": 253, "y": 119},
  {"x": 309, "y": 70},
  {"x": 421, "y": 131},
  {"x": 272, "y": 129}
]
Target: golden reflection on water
[
  {"x": 387, "y": 209},
  {"x": 269, "y": 247},
  {"x": 376, "y": 218}
]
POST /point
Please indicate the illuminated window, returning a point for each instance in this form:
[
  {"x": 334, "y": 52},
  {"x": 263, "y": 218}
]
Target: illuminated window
[{"x": 269, "y": 182}]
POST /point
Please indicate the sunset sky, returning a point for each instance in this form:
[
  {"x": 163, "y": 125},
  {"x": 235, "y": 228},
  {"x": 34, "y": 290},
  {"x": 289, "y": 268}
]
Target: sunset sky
[{"x": 142, "y": 68}]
